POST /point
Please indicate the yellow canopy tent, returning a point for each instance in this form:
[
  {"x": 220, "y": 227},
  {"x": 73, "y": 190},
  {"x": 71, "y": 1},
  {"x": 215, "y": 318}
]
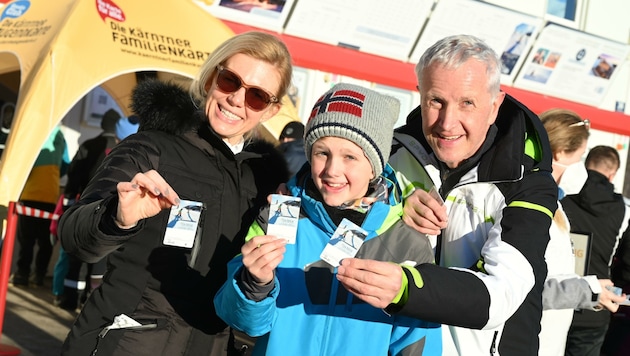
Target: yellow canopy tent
[{"x": 65, "y": 48}]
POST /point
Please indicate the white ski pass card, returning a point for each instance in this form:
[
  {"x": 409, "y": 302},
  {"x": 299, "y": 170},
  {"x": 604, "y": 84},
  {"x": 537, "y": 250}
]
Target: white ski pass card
[
  {"x": 183, "y": 221},
  {"x": 284, "y": 213},
  {"x": 434, "y": 193},
  {"x": 344, "y": 243}
]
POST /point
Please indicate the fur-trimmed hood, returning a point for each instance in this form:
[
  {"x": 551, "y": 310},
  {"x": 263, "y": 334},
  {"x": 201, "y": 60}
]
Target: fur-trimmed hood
[{"x": 165, "y": 107}]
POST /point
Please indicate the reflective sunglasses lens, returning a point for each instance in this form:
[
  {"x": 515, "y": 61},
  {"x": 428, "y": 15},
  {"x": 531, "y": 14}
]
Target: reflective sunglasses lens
[
  {"x": 228, "y": 82},
  {"x": 257, "y": 99}
]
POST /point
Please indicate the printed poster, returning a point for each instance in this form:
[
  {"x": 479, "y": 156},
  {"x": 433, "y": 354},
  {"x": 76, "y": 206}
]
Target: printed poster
[
  {"x": 371, "y": 26},
  {"x": 508, "y": 32},
  {"x": 268, "y": 14},
  {"x": 571, "y": 65}
]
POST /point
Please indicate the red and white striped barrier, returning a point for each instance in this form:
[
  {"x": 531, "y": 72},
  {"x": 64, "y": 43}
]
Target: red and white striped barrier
[{"x": 34, "y": 212}]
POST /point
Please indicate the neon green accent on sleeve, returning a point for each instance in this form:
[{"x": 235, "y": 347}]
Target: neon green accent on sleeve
[
  {"x": 254, "y": 230},
  {"x": 532, "y": 206},
  {"x": 417, "y": 278},
  {"x": 403, "y": 293},
  {"x": 401, "y": 297}
]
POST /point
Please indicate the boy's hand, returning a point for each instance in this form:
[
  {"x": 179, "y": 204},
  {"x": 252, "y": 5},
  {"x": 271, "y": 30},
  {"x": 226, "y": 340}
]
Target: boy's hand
[{"x": 261, "y": 255}]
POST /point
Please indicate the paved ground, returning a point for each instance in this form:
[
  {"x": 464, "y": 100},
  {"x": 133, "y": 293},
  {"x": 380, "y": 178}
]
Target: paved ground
[{"x": 32, "y": 323}]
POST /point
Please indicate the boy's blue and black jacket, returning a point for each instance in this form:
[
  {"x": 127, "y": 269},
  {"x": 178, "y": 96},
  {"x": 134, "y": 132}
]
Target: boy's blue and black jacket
[{"x": 308, "y": 312}]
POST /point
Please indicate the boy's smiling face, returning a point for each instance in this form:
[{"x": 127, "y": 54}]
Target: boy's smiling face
[{"x": 340, "y": 170}]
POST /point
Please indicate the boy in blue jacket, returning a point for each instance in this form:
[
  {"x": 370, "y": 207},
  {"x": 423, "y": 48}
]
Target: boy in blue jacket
[{"x": 287, "y": 293}]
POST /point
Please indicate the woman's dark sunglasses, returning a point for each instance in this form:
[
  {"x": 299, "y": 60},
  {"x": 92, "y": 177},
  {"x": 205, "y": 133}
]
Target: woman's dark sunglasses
[{"x": 256, "y": 98}]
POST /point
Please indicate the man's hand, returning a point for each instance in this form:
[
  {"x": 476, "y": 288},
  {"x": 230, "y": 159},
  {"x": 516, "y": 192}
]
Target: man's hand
[
  {"x": 261, "y": 255},
  {"x": 424, "y": 213},
  {"x": 145, "y": 196},
  {"x": 375, "y": 282}
]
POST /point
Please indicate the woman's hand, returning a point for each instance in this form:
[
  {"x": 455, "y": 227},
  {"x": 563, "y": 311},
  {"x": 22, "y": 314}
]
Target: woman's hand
[
  {"x": 261, "y": 255},
  {"x": 145, "y": 196}
]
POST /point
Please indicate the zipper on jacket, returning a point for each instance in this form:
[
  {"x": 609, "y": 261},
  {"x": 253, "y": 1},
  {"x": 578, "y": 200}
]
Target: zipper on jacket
[
  {"x": 493, "y": 347},
  {"x": 332, "y": 298},
  {"x": 101, "y": 335}
]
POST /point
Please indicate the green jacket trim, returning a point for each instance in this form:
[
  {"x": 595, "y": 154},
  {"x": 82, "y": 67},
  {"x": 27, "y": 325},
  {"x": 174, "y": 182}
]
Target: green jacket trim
[{"x": 528, "y": 205}]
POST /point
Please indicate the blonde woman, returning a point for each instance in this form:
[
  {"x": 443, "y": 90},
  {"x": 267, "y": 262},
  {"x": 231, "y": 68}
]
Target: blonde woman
[{"x": 192, "y": 152}]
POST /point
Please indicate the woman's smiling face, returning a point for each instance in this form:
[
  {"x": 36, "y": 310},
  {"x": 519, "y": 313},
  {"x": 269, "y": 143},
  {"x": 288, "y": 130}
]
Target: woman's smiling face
[{"x": 229, "y": 117}]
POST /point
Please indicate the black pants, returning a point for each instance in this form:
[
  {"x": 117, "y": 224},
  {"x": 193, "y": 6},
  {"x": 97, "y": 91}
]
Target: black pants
[
  {"x": 73, "y": 279},
  {"x": 585, "y": 341},
  {"x": 31, "y": 231}
]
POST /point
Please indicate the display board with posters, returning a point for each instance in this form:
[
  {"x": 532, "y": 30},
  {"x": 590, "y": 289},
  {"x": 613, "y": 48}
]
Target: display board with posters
[
  {"x": 532, "y": 7},
  {"x": 565, "y": 12},
  {"x": 298, "y": 90},
  {"x": 582, "y": 251},
  {"x": 268, "y": 14},
  {"x": 307, "y": 85},
  {"x": 409, "y": 100},
  {"x": 572, "y": 65},
  {"x": 371, "y": 26},
  {"x": 508, "y": 32}
]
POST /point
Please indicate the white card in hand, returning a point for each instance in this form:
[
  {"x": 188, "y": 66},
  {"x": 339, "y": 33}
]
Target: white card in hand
[
  {"x": 344, "y": 243},
  {"x": 183, "y": 221},
  {"x": 436, "y": 195},
  {"x": 284, "y": 213}
]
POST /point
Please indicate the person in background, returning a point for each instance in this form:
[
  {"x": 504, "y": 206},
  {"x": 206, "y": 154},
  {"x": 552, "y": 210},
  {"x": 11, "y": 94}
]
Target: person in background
[
  {"x": 475, "y": 165},
  {"x": 288, "y": 295},
  {"x": 85, "y": 162},
  {"x": 617, "y": 342},
  {"x": 599, "y": 210},
  {"x": 35, "y": 209},
  {"x": 7, "y": 110},
  {"x": 196, "y": 151},
  {"x": 292, "y": 145},
  {"x": 127, "y": 126},
  {"x": 620, "y": 269},
  {"x": 564, "y": 290}
]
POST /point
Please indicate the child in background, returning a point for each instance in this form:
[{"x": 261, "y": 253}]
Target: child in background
[{"x": 289, "y": 296}]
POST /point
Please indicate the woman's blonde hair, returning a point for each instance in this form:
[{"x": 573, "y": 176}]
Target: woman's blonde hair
[
  {"x": 564, "y": 130},
  {"x": 258, "y": 45},
  {"x": 566, "y": 134}
]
